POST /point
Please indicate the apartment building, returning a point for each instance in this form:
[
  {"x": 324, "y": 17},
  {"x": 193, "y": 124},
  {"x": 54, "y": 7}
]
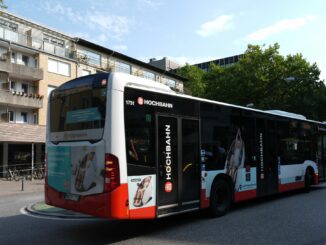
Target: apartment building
[
  {"x": 34, "y": 60},
  {"x": 92, "y": 58}
]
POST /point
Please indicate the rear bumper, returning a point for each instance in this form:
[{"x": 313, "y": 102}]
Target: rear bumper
[{"x": 113, "y": 205}]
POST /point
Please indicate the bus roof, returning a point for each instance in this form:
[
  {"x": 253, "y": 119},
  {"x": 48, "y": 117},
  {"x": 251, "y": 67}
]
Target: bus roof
[{"x": 126, "y": 80}]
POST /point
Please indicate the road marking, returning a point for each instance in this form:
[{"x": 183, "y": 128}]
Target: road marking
[{"x": 24, "y": 211}]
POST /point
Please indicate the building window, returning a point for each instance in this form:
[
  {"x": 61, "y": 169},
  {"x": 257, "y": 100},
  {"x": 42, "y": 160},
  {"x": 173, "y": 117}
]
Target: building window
[
  {"x": 11, "y": 116},
  {"x": 25, "y": 60},
  {"x": 123, "y": 67},
  {"x": 170, "y": 83},
  {"x": 89, "y": 57},
  {"x": 13, "y": 57},
  {"x": 25, "y": 88},
  {"x": 8, "y": 25},
  {"x": 54, "y": 45},
  {"x": 35, "y": 118},
  {"x": 12, "y": 85},
  {"x": 9, "y": 30},
  {"x": 53, "y": 40},
  {"x": 85, "y": 72},
  {"x": 59, "y": 67},
  {"x": 24, "y": 117},
  {"x": 149, "y": 75}
]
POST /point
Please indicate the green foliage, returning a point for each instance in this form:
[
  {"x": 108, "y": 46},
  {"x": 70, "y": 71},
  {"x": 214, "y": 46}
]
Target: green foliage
[
  {"x": 268, "y": 80},
  {"x": 194, "y": 85},
  {"x": 2, "y": 5}
]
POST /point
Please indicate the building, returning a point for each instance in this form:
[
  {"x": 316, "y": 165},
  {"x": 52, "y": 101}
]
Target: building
[
  {"x": 92, "y": 58},
  {"x": 164, "y": 64},
  {"x": 169, "y": 65},
  {"x": 34, "y": 60},
  {"x": 221, "y": 62}
]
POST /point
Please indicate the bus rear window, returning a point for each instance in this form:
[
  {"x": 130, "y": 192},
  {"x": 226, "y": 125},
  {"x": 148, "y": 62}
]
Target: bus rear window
[{"x": 77, "y": 109}]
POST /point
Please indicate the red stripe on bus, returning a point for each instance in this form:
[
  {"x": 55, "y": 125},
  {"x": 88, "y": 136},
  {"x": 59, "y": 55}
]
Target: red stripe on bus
[
  {"x": 316, "y": 179},
  {"x": 143, "y": 213},
  {"x": 97, "y": 205},
  {"x": 119, "y": 202},
  {"x": 204, "y": 201},
  {"x": 245, "y": 195},
  {"x": 290, "y": 186}
]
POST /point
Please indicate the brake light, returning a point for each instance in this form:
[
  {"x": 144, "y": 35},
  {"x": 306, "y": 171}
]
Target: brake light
[{"x": 111, "y": 173}]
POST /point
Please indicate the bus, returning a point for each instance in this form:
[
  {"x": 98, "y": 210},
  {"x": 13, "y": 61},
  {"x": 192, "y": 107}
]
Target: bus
[{"x": 125, "y": 147}]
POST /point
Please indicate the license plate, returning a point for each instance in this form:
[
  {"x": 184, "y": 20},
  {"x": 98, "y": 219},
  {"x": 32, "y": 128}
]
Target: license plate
[{"x": 71, "y": 197}]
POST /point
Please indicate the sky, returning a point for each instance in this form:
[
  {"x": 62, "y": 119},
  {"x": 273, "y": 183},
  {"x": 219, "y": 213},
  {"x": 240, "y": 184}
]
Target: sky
[{"x": 187, "y": 31}]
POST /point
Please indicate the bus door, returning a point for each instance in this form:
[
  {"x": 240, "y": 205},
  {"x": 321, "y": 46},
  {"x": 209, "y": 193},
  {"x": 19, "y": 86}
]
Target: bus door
[
  {"x": 321, "y": 153},
  {"x": 267, "y": 164},
  {"x": 178, "y": 165}
]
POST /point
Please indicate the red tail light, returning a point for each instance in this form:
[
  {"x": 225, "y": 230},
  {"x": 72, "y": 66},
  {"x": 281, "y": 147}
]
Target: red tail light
[{"x": 111, "y": 173}]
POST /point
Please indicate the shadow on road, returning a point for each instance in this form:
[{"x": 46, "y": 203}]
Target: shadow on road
[
  {"x": 187, "y": 227},
  {"x": 274, "y": 198}
]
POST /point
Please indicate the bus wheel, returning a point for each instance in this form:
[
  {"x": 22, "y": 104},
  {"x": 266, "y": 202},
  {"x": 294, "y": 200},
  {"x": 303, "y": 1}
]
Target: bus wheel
[
  {"x": 221, "y": 198},
  {"x": 307, "y": 181}
]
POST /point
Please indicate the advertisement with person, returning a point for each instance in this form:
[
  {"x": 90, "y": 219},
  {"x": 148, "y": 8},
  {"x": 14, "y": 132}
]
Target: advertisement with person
[
  {"x": 76, "y": 170},
  {"x": 141, "y": 191},
  {"x": 86, "y": 171},
  {"x": 235, "y": 158}
]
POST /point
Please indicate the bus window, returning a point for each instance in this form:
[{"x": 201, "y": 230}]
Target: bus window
[
  {"x": 296, "y": 140},
  {"x": 139, "y": 138},
  {"x": 79, "y": 105}
]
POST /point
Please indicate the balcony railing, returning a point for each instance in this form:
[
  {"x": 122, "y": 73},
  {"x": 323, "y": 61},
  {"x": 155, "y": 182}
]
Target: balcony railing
[
  {"x": 35, "y": 42},
  {"x": 21, "y": 71},
  {"x": 13, "y": 98}
]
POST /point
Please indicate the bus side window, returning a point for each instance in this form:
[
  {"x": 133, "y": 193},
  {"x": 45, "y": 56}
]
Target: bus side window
[
  {"x": 139, "y": 146},
  {"x": 213, "y": 155},
  {"x": 140, "y": 141}
]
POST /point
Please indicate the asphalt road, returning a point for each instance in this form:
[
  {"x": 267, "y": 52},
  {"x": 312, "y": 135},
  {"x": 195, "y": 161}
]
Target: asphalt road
[{"x": 294, "y": 218}]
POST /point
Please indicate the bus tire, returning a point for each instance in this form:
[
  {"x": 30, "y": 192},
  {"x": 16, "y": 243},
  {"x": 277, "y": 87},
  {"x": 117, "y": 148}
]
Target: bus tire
[
  {"x": 221, "y": 197},
  {"x": 307, "y": 181}
]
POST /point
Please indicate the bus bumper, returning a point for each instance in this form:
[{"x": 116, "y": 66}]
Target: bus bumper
[{"x": 112, "y": 205}]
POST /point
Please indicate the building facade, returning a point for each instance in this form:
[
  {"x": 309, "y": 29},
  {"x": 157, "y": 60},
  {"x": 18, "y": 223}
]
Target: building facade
[
  {"x": 227, "y": 61},
  {"x": 34, "y": 60}
]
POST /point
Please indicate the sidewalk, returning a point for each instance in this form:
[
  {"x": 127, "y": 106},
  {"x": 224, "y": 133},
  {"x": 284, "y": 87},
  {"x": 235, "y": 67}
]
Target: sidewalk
[
  {"x": 15, "y": 187},
  {"x": 39, "y": 209}
]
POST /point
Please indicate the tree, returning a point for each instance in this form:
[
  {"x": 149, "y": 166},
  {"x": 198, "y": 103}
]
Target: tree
[
  {"x": 194, "y": 85},
  {"x": 2, "y": 5},
  {"x": 268, "y": 80}
]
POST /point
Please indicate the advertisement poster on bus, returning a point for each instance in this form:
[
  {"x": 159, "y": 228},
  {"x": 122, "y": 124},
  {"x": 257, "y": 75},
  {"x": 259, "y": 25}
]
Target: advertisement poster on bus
[
  {"x": 75, "y": 170},
  {"x": 86, "y": 175},
  {"x": 142, "y": 191}
]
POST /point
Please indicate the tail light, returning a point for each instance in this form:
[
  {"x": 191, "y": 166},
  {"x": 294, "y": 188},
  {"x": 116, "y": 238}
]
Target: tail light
[{"x": 111, "y": 173}]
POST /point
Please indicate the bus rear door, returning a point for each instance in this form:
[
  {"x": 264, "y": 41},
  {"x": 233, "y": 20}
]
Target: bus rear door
[{"x": 177, "y": 151}]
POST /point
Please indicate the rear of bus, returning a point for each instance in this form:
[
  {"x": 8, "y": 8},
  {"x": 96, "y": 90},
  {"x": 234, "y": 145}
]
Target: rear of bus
[{"x": 82, "y": 175}]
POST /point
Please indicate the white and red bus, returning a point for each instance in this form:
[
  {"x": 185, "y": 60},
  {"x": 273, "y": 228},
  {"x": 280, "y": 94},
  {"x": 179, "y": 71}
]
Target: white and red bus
[{"x": 124, "y": 147}]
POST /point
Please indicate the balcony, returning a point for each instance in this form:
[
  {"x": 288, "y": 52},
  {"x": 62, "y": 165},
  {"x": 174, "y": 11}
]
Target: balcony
[
  {"x": 35, "y": 43},
  {"x": 21, "y": 99},
  {"x": 21, "y": 71}
]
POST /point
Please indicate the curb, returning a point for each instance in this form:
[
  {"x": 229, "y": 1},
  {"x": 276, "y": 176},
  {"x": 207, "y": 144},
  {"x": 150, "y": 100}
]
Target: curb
[{"x": 44, "y": 211}]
